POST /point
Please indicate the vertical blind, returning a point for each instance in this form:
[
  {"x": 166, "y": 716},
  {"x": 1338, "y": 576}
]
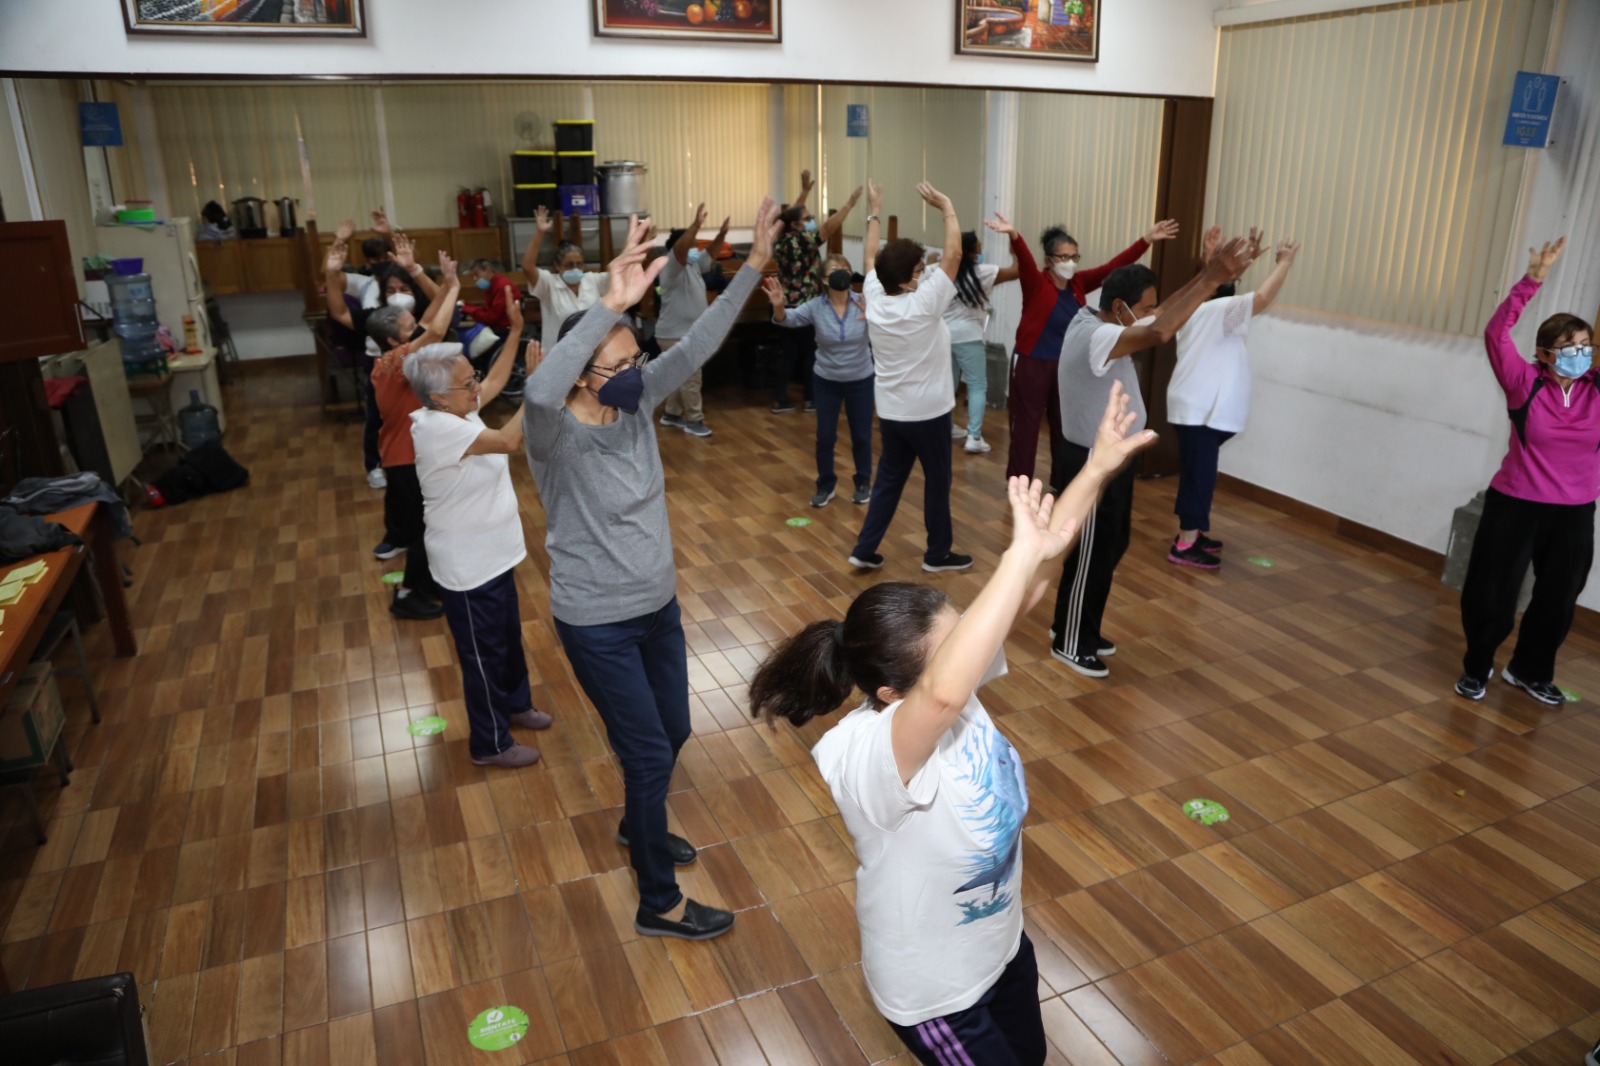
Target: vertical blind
[
  {"x": 50, "y": 119},
  {"x": 1374, "y": 138}
]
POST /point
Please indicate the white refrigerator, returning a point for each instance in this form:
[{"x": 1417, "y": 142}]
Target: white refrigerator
[{"x": 167, "y": 249}]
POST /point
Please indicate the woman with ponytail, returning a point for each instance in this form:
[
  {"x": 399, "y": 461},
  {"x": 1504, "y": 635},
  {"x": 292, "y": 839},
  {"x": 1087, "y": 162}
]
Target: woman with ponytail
[
  {"x": 968, "y": 316},
  {"x": 931, "y": 792}
]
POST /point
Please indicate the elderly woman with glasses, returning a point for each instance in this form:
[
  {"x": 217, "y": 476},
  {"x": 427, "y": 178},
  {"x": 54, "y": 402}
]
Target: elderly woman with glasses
[
  {"x": 474, "y": 538},
  {"x": 613, "y": 586}
]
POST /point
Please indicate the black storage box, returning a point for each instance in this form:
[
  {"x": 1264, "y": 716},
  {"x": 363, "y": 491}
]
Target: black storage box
[
  {"x": 574, "y": 134},
  {"x": 575, "y": 168},
  {"x": 529, "y": 198},
  {"x": 533, "y": 168}
]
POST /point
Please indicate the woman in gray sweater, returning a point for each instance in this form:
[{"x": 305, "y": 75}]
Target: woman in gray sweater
[{"x": 591, "y": 440}]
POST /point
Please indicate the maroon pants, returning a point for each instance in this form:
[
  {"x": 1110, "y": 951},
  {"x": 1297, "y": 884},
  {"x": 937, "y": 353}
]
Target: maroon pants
[{"x": 1033, "y": 395}]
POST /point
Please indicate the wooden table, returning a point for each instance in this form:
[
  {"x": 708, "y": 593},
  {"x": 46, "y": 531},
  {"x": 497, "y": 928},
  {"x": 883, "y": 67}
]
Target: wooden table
[{"x": 27, "y": 619}]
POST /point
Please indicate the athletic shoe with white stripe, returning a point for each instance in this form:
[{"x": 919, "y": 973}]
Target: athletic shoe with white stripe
[{"x": 1087, "y": 665}]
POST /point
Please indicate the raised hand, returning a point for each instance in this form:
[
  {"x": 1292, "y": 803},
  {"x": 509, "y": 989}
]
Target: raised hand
[
  {"x": 405, "y": 252},
  {"x": 700, "y": 216},
  {"x": 1162, "y": 231},
  {"x": 542, "y": 219},
  {"x": 1230, "y": 261},
  {"x": 874, "y": 196},
  {"x": 933, "y": 197},
  {"x": 380, "y": 222},
  {"x": 447, "y": 268},
  {"x": 1540, "y": 260},
  {"x": 347, "y": 228},
  {"x": 631, "y": 278},
  {"x": 338, "y": 252},
  {"x": 774, "y": 291},
  {"x": 1001, "y": 224},
  {"x": 767, "y": 229},
  {"x": 514, "y": 308},
  {"x": 1208, "y": 243},
  {"x": 805, "y": 180},
  {"x": 1288, "y": 248},
  {"x": 1113, "y": 447},
  {"x": 855, "y": 195},
  {"x": 1031, "y": 533},
  {"x": 1254, "y": 246}
]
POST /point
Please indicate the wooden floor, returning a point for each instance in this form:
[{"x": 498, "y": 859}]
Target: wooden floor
[{"x": 1406, "y": 877}]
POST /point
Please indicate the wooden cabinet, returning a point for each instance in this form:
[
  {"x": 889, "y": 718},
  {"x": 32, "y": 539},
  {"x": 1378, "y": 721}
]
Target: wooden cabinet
[
  {"x": 270, "y": 265},
  {"x": 469, "y": 244},
  {"x": 221, "y": 266}
]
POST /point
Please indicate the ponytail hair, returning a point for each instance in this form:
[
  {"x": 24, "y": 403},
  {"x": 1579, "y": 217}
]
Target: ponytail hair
[
  {"x": 882, "y": 643},
  {"x": 969, "y": 288}
]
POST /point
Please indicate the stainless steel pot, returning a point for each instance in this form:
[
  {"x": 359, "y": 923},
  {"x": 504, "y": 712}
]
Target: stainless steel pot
[
  {"x": 622, "y": 188},
  {"x": 250, "y": 216},
  {"x": 286, "y": 220}
]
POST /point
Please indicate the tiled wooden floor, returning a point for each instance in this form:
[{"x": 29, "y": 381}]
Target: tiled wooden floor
[{"x": 1407, "y": 877}]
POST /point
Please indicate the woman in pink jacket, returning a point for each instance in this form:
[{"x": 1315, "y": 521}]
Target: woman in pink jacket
[{"x": 1540, "y": 506}]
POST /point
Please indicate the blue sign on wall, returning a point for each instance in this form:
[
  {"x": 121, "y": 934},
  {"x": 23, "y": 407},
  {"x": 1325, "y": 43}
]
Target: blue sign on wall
[
  {"x": 1533, "y": 101},
  {"x": 856, "y": 120},
  {"x": 101, "y": 125}
]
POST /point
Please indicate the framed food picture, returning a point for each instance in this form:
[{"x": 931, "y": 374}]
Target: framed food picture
[
  {"x": 1029, "y": 29},
  {"x": 696, "y": 20},
  {"x": 246, "y": 18}
]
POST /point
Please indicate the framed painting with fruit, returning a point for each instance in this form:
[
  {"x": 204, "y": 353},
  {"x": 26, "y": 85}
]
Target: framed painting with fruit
[
  {"x": 699, "y": 20},
  {"x": 1029, "y": 29}
]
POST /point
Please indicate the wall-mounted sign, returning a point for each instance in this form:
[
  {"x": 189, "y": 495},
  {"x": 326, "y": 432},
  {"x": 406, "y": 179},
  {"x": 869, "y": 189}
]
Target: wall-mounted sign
[
  {"x": 1533, "y": 102},
  {"x": 101, "y": 125},
  {"x": 856, "y": 123}
]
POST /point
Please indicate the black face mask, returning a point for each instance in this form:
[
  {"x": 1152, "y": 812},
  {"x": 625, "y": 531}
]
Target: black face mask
[{"x": 839, "y": 280}]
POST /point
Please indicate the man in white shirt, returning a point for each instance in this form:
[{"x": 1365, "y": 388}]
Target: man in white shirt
[
  {"x": 683, "y": 300},
  {"x": 912, "y": 390}
]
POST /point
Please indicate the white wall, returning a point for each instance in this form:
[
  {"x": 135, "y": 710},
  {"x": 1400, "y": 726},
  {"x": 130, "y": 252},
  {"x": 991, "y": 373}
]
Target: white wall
[
  {"x": 1395, "y": 428},
  {"x": 1162, "y": 47}
]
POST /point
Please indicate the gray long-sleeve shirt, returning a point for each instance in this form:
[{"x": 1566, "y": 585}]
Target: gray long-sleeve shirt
[{"x": 602, "y": 486}]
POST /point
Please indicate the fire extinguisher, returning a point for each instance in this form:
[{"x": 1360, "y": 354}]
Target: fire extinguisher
[
  {"x": 480, "y": 201},
  {"x": 464, "y": 208}
]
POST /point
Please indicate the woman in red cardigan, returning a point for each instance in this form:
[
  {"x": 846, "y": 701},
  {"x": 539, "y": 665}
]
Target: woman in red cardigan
[{"x": 1050, "y": 298}]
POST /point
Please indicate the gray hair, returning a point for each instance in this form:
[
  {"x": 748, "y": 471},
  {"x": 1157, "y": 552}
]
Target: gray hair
[
  {"x": 383, "y": 325},
  {"x": 430, "y": 369}
]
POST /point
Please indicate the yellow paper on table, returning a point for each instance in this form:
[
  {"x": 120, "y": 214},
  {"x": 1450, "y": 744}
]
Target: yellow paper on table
[
  {"x": 35, "y": 569},
  {"x": 37, "y": 576},
  {"x": 11, "y": 593}
]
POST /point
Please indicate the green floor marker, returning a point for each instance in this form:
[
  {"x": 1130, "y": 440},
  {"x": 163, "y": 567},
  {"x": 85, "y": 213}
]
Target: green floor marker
[
  {"x": 798, "y": 522},
  {"x": 1572, "y": 697},
  {"x": 1261, "y": 561},
  {"x": 394, "y": 577},
  {"x": 497, "y": 1028},
  {"x": 1208, "y": 812},
  {"x": 426, "y": 727}
]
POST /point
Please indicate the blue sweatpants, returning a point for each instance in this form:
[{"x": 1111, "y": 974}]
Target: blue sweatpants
[
  {"x": 487, "y": 626},
  {"x": 1004, "y": 1028}
]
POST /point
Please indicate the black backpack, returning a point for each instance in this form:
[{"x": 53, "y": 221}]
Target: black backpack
[{"x": 200, "y": 472}]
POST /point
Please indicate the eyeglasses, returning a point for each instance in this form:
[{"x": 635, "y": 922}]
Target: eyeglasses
[
  {"x": 471, "y": 385},
  {"x": 1585, "y": 350},
  {"x": 639, "y": 360},
  {"x": 1073, "y": 258}
]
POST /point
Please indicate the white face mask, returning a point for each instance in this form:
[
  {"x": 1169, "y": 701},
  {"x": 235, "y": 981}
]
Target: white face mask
[
  {"x": 1064, "y": 271},
  {"x": 402, "y": 300},
  {"x": 1145, "y": 321}
]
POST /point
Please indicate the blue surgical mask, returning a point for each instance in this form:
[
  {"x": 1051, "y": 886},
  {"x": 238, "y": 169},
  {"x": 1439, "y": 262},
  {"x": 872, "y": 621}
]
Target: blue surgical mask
[
  {"x": 623, "y": 390},
  {"x": 694, "y": 256},
  {"x": 483, "y": 283},
  {"x": 811, "y": 225},
  {"x": 979, "y": 261},
  {"x": 1574, "y": 361},
  {"x": 572, "y": 277}
]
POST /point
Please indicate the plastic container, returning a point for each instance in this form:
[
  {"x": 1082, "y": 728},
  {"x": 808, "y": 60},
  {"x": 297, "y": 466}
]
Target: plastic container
[
  {"x": 574, "y": 134},
  {"x": 128, "y": 267},
  {"x": 575, "y": 168},
  {"x": 533, "y": 168},
  {"x": 133, "y": 316},
  {"x": 529, "y": 198},
  {"x": 197, "y": 423},
  {"x": 580, "y": 200}
]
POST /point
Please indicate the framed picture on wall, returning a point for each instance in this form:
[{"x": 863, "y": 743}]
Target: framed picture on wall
[
  {"x": 1029, "y": 29},
  {"x": 247, "y": 18},
  {"x": 696, "y": 20}
]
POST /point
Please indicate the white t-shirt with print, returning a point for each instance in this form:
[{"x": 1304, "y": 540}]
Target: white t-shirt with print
[
  {"x": 472, "y": 529},
  {"x": 965, "y": 321},
  {"x": 911, "y": 347},
  {"x": 1211, "y": 384},
  {"x": 557, "y": 301},
  {"x": 938, "y": 891}
]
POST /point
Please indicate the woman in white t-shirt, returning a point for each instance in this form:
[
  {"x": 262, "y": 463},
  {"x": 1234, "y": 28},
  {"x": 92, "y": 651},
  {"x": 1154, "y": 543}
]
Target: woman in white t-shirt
[
  {"x": 966, "y": 317},
  {"x": 932, "y": 794},
  {"x": 474, "y": 538},
  {"x": 566, "y": 288}
]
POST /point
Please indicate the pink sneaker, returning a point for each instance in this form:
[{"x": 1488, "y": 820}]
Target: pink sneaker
[
  {"x": 514, "y": 756},
  {"x": 532, "y": 718}
]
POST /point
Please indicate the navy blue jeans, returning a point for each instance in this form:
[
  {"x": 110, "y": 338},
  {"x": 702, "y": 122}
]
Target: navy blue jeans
[
  {"x": 636, "y": 673},
  {"x": 1197, "y": 476},
  {"x": 905, "y": 444},
  {"x": 487, "y": 626},
  {"x": 856, "y": 399}
]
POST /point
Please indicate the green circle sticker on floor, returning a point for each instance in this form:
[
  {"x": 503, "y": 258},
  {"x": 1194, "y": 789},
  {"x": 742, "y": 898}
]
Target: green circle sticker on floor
[
  {"x": 1207, "y": 812},
  {"x": 797, "y": 522},
  {"x": 394, "y": 577},
  {"x": 1261, "y": 561},
  {"x": 1571, "y": 696},
  {"x": 426, "y": 727},
  {"x": 497, "y": 1028}
]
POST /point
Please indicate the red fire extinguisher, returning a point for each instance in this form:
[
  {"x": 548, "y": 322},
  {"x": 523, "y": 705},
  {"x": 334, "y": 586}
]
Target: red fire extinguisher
[
  {"x": 480, "y": 214},
  {"x": 464, "y": 208}
]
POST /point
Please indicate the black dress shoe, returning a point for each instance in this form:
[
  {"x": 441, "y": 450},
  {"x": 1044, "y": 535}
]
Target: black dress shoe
[
  {"x": 699, "y": 922},
  {"x": 683, "y": 852}
]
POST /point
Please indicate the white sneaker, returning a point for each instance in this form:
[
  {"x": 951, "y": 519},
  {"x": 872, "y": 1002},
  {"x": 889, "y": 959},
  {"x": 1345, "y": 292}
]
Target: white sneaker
[
  {"x": 375, "y": 478},
  {"x": 956, "y": 432},
  {"x": 976, "y": 446}
]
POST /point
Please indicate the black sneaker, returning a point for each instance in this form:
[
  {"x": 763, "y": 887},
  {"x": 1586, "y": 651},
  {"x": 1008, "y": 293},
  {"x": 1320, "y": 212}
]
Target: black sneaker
[
  {"x": 871, "y": 561},
  {"x": 1087, "y": 665},
  {"x": 951, "y": 561},
  {"x": 412, "y": 605},
  {"x": 863, "y": 495},
  {"x": 683, "y": 852},
  {"x": 1194, "y": 556},
  {"x": 811, "y": 408},
  {"x": 1472, "y": 687},
  {"x": 1593, "y": 1057},
  {"x": 1206, "y": 544},
  {"x": 782, "y": 408},
  {"x": 385, "y": 550},
  {"x": 675, "y": 421},
  {"x": 821, "y": 499},
  {"x": 1106, "y": 650},
  {"x": 699, "y": 922},
  {"x": 1543, "y": 691}
]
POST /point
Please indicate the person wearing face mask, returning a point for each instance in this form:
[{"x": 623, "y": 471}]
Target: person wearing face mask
[
  {"x": 563, "y": 290},
  {"x": 912, "y": 390},
  {"x": 683, "y": 301},
  {"x": 1208, "y": 398},
  {"x": 799, "y": 256},
  {"x": 842, "y": 375},
  {"x": 1540, "y": 506},
  {"x": 591, "y": 443},
  {"x": 967, "y": 316},
  {"x": 1050, "y": 299},
  {"x": 474, "y": 538},
  {"x": 1094, "y": 360},
  {"x": 498, "y": 291}
]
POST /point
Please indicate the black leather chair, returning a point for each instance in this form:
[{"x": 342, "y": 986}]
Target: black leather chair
[{"x": 81, "y": 1023}]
